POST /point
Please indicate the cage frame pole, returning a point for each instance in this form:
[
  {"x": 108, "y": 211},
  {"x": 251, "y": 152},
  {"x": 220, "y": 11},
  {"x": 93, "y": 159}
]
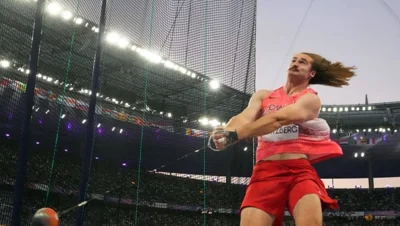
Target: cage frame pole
[
  {"x": 22, "y": 160},
  {"x": 96, "y": 73}
]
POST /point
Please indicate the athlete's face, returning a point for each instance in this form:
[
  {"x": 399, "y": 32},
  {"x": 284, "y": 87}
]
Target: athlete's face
[{"x": 301, "y": 67}]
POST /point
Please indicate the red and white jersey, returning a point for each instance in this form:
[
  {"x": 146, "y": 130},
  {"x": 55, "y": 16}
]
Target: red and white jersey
[{"x": 311, "y": 138}]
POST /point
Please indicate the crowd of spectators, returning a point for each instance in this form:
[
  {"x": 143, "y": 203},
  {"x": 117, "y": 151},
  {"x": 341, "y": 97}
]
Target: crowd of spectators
[{"x": 153, "y": 188}]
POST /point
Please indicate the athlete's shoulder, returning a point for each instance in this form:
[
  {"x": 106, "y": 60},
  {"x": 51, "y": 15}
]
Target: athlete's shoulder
[
  {"x": 311, "y": 90},
  {"x": 262, "y": 93}
]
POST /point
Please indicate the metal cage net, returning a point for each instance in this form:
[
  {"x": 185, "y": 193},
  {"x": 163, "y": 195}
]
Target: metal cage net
[
  {"x": 60, "y": 106},
  {"x": 170, "y": 72},
  {"x": 15, "y": 40},
  {"x": 175, "y": 55}
]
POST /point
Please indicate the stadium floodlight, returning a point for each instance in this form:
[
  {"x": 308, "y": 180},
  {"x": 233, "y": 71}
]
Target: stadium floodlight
[
  {"x": 355, "y": 155},
  {"x": 214, "y": 122},
  {"x": 362, "y": 154},
  {"x": 340, "y": 109},
  {"x": 352, "y": 108},
  {"x": 346, "y": 109},
  {"x": 112, "y": 38},
  {"x": 357, "y": 109},
  {"x": 66, "y": 15},
  {"x": 123, "y": 43},
  {"x": 363, "y": 108},
  {"x": 54, "y": 8},
  {"x": 369, "y": 108},
  {"x": 78, "y": 20},
  {"x": 323, "y": 109},
  {"x": 329, "y": 109},
  {"x": 169, "y": 64},
  {"x": 121, "y": 130},
  {"x": 245, "y": 149},
  {"x": 5, "y": 63},
  {"x": 193, "y": 75},
  {"x": 334, "y": 131},
  {"x": 335, "y": 109},
  {"x": 84, "y": 121},
  {"x": 63, "y": 116},
  {"x": 214, "y": 84},
  {"x": 113, "y": 128},
  {"x": 182, "y": 70},
  {"x": 203, "y": 121},
  {"x": 169, "y": 115},
  {"x": 98, "y": 125},
  {"x": 49, "y": 79},
  {"x": 395, "y": 130},
  {"x": 95, "y": 29},
  {"x": 152, "y": 57},
  {"x": 369, "y": 129}
]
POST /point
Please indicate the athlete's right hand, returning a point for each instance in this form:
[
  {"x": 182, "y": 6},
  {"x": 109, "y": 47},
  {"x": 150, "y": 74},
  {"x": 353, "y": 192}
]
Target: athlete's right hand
[{"x": 218, "y": 138}]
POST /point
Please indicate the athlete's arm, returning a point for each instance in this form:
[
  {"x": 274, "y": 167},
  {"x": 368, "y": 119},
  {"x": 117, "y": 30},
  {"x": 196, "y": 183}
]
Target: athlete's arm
[
  {"x": 250, "y": 114},
  {"x": 306, "y": 108}
]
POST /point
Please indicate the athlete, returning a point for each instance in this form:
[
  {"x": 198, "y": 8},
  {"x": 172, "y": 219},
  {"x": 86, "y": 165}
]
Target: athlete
[{"x": 290, "y": 138}]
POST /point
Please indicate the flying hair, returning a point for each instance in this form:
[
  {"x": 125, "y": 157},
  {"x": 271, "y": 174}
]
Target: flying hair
[{"x": 330, "y": 74}]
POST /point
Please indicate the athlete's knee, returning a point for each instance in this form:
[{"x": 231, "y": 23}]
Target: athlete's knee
[{"x": 251, "y": 216}]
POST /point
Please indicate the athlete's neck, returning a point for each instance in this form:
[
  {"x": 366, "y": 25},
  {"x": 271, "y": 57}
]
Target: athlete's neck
[{"x": 291, "y": 88}]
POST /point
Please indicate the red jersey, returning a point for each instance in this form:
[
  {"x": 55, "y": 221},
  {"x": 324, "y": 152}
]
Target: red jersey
[{"x": 311, "y": 138}]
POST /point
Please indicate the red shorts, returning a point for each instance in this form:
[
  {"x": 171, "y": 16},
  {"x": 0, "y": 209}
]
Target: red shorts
[{"x": 275, "y": 185}]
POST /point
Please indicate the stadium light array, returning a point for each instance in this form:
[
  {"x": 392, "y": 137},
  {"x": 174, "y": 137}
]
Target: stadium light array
[
  {"x": 56, "y": 10},
  {"x": 356, "y": 155},
  {"x": 113, "y": 38},
  {"x": 346, "y": 109},
  {"x": 5, "y": 63},
  {"x": 205, "y": 121}
]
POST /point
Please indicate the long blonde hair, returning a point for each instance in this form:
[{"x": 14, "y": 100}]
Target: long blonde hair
[{"x": 328, "y": 73}]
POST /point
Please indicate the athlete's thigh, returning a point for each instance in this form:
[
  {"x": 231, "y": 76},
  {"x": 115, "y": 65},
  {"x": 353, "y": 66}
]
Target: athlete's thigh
[
  {"x": 265, "y": 201},
  {"x": 252, "y": 216},
  {"x": 304, "y": 203}
]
